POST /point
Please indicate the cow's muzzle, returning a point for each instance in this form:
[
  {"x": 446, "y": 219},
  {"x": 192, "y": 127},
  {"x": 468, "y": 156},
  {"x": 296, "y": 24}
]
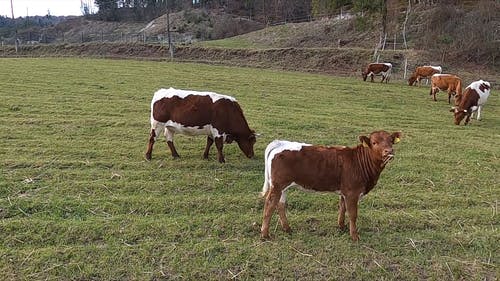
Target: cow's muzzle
[{"x": 387, "y": 158}]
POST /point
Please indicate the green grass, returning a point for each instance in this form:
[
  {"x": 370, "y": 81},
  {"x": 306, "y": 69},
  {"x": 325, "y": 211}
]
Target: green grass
[{"x": 78, "y": 201}]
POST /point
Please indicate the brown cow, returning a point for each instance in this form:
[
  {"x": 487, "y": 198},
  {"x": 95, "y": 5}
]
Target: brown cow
[
  {"x": 351, "y": 172},
  {"x": 199, "y": 113},
  {"x": 445, "y": 82},
  {"x": 472, "y": 100},
  {"x": 423, "y": 72},
  {"x": 373, "y": 69}
]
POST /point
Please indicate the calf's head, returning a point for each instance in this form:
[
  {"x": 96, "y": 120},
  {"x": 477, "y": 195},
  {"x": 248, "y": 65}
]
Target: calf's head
[{"x": 380, "y": 143}]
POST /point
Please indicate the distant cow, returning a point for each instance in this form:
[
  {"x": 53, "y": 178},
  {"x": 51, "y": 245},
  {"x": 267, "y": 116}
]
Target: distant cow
[
  {"x": 445, "y": 82},
  {"x": 472, "y": 100},
  {"x": 423, "y": 72},
  {"x": 383, "y": 69},
  {"x": 199, "y": 113},
  {"x": 351, "y": 172}
]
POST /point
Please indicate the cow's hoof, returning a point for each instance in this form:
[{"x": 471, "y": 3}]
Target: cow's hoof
[
  {"x": 147, "y": 157},
  {"x": 265, "y": 237},
  {"x": 287, "y": 230},
  {"x": 222, "y": 160},
  {"x": 355, "y": 237}
]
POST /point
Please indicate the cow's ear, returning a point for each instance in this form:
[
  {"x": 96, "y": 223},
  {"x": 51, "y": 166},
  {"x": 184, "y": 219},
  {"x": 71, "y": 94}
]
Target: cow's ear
[
  {"x": 365, "y": 141},
  {"x": 229, "y": 139},
  {"x": 396, "y": 137}
]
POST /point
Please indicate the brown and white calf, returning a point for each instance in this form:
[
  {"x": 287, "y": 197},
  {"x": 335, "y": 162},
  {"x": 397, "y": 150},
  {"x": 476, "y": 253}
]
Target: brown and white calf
[
  {"x": 383, "y": 69},
  {"x": 445, "y": 82},
  {"x": 192, "y": 113},
  {"x": 423, "y": 72},
  {"x": 472, "y": 100},
  {"x": 351, "y": 172}
]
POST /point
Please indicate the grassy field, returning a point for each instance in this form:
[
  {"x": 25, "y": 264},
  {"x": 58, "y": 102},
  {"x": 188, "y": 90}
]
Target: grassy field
[{"x": 78, "y": 200}]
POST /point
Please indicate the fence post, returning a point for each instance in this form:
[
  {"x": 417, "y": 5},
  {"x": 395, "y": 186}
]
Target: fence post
[
  {"x": 395, "y": 41},
  {"x": 406, "y": 66},
  {"x": 82, "y": 36}
]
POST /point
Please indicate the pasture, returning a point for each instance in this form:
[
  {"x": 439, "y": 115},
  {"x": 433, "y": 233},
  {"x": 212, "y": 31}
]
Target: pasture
[{"x": 78, "y": 200}]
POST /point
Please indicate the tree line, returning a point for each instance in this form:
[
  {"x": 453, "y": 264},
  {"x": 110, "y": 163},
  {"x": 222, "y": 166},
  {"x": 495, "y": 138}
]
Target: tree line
[{"x": 260, "y": 10}]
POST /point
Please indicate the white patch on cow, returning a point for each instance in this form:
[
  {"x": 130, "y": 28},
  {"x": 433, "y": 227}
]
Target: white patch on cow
[
  {"x": 272, "y": 149},
  {"x": 171, "y": 92},
  {"x": 441, "y": 74},
  {"x": 437, "y": 68},
  {"x": 388, "y": 64},
  {"x": 171, "y": 128}
]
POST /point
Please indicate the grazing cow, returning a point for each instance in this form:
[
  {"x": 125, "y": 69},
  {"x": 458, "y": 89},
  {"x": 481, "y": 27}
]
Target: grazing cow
[
  {"x": 423, "y": 72},
  {"x": 351, "y": 172},
  {"x": 373, "y": 69},
  {"x": 445, "y": 82},
  {"x": 472, "y": 100},
  {"x": 199, "y": 113}
]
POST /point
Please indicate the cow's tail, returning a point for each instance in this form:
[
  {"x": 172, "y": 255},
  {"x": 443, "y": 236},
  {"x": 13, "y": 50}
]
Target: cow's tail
[{"x": 267, "y": 167}]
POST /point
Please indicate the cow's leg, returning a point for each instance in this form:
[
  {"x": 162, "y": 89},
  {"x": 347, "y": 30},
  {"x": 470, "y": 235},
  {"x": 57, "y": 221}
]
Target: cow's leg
[
  {"x": 479, "y": 112},
  {"x": 467, "y": 119},
  {"x": 371, "y": 76},
  {"x": 149, "y": 151},
  {"x": 449, "y": 96},
  {"x": 341, "y": 219},
  {"x": 433, "y": 93},
  {"x": 383, "y": 78},
  {"x": 169, "y": 135},
  {"x": 210, "y": 141},
  {"x": 282, "y": 213},
  {"x": 219, "y": 143},
  {"x": 269, "y": 206},
  {"x": 352, "y": 210}
]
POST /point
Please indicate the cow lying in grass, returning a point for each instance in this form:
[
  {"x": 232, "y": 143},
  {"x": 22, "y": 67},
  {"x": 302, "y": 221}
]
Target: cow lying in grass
[{"x": 351, "y": 172}]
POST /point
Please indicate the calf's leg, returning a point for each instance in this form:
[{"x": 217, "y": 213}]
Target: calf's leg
[
  {"x": 219, "y": 143},
  {"x": 282, "y": 213},
  {"x": 341, "y": 218},
  {"x": 352, "y": 210},
  {"x": 210, "y": 141},
  {"x": 269, "y": 206}
]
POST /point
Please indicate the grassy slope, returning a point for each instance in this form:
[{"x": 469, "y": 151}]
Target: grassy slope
[{"x": 79, "y": 202}]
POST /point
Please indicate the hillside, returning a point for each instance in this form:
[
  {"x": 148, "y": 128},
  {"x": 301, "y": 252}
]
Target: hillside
[{"x": 334, "y": 45}]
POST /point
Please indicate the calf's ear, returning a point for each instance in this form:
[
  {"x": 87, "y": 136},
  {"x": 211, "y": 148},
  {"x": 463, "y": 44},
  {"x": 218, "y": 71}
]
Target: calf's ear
[
  {"x": 365, "y": 141},
  {"x": 396, "y": 137}
]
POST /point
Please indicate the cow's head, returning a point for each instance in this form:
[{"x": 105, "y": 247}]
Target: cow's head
[
  {"x": 364, "y": 74},
  {"x": 460, "y": 114},
  {"x": 412, "y": 80},
  {"x": 246, "y": 143},
  {"x": 380, "y": 143}
]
